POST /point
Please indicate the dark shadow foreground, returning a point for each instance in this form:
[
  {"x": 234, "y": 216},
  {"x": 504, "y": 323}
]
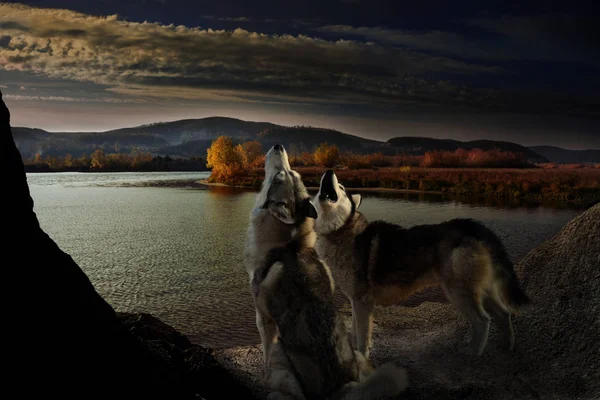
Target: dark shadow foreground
[{"x": 64, "y": 340}]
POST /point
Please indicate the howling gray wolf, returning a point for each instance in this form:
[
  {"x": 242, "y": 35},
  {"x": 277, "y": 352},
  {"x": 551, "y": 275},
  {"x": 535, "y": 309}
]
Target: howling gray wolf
[
  {"x": 383, "y": 263},
  {"x": 312, "y": 357},
  {"x": 272, "y": 222}
]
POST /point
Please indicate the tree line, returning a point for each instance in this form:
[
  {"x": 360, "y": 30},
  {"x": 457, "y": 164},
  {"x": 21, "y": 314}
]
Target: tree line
[
  {"x": 112, "y": 162},
  {"x": 228, "y": 160}
]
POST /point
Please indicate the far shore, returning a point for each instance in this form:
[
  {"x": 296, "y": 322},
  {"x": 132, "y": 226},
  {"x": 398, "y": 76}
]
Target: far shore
[
  {"x": 316, "y": 188},
  {"x": 558, "y": 187}
]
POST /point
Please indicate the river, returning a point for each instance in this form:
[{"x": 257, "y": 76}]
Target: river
[{"x": 177, "y": 252}]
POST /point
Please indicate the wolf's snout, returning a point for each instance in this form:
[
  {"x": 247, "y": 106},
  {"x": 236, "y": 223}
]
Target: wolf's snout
[
  {"x": 278, "y": 147},
  {"x": 327, "y": 190}
]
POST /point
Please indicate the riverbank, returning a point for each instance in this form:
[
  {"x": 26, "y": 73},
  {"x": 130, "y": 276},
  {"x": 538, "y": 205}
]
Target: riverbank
[{"x": 536, "y": 184}]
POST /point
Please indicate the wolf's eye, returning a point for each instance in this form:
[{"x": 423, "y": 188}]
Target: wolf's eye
[{"x": 281, "y": 204}]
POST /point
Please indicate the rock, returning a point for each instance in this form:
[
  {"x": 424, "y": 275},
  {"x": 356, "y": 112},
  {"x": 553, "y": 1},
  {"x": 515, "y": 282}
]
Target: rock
[
  {"x": 194, "y": 363},
  {"x": 557, "y": 354},
  {"x": 562, "y": 276},
  {"x": 63, "y": 339}
]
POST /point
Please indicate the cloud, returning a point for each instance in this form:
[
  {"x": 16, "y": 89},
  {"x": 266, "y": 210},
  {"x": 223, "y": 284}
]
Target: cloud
[
  {"x": 440, "y": 41},
  {"x": 235, "y": 19},
  {"x": 541, "y": 38},
  {"x": 22, "y": 88},
  {"x": 145, "y": 57},
  {"x": 73, "y": 99},
  {"x": 3, "y": 86}
]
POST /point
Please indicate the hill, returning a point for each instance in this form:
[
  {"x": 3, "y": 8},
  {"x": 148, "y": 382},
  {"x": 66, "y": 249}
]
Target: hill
[
  {"x": 420, "y": 145},
  {"x": 161, "y": 138},
  {"x": 191, "y": 137},
  {"x": 564, "y": 156}
]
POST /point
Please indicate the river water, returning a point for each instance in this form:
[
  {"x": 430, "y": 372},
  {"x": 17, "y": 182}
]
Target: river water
[{"x": 177, "y": 252}]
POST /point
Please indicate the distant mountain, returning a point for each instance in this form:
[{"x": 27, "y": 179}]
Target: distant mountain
[
  {"x": 162, "y": 137},
  {"x": 178, "y": 132},
  {"x": 420, "y": 145},
  {"x": 564, "y": 156},
  {"x": 295, "y": 139},
  {"x": 191, "y": 137}
]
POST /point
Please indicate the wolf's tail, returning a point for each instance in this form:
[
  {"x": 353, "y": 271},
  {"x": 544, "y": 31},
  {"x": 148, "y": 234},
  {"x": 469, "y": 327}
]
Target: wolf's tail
[
  {"x": 512, "y": 296},
  {"x": 385, "y": 382},
  {"x": 511, "y": 292}
]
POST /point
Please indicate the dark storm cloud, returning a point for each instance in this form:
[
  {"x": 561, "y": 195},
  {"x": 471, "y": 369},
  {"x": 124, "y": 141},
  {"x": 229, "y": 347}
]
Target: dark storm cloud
[
  {"x": 562, "y": 38},
  {"x": 136, "y": 57},
  {"x": 376, "y": 66}
]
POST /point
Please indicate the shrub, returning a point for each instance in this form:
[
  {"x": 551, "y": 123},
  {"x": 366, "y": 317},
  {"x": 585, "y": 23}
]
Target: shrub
[{"x": 326, "y": 155}]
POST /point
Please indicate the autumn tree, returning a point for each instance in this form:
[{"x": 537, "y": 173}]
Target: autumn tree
[
  {"x": 225, "y": 159},
  {"x": 68, "y": 161},
  {"x": 140, "y": 158},
  {"x": 327, "y": 155},
  {"x": 242, "y": 157},
  {"x": 98, "y": 159},
  {"x": 253, "y": 151},
  {"x": 38, "y": 159}
]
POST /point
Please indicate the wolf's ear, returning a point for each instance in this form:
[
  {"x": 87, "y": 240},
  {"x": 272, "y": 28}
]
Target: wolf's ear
[
  {"x": 356, "y": 198},
  {"x": 308, "y": 209},
  {"x": 281, "y": 211}
]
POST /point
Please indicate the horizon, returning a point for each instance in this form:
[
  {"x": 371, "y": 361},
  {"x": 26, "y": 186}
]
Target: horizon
[
  {"x": 377, "y": 70},
  {"x": 290, "y": 126}
]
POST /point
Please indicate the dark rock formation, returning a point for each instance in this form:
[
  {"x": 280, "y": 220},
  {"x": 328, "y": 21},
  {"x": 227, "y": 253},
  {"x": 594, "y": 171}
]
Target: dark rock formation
[
  {"x": 64, "y": 340},
  {"x": 194, "y": 363},
  {"x": 562, "y": 337}
]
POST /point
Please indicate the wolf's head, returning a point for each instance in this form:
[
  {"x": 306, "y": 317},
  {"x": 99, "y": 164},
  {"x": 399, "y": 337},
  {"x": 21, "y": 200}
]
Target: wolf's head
[
  {"x": 333, "y": 204},
  {"x": 282, "y": 193},
  {"x": 276, "y": 160}
]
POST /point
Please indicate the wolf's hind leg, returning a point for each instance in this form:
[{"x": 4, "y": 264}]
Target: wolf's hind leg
[
  {"x": 362, "y": 313},
  {"x": 502, "y": 318},
  {"x": 471, "y": 305}
]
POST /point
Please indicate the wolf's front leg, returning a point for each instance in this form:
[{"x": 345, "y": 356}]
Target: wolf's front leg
[
  {"x": 362, "y": 314},
  {"x": 268, "y": 333}
]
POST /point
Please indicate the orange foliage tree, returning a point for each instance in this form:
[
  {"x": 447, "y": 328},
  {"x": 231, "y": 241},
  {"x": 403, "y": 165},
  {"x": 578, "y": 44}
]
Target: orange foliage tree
[
  {"x": 327, "y": 155},
  {"x": 225, "y": 159},
  {"x": 253, "y": 151},
  {"x": 98, "y": 159}
]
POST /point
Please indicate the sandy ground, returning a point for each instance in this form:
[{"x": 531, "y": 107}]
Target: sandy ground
[{"x": 557, "y": 353}]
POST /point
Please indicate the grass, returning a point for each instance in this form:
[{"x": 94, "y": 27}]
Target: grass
[{"x": 537, "y": 184}]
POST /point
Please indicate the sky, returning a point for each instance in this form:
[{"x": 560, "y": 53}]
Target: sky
[{"x": 378, "y": 69}]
